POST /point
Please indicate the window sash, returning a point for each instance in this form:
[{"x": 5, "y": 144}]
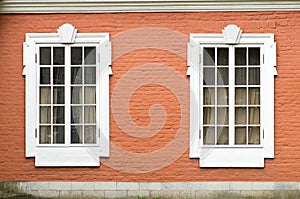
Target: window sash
[
  {"x": 67, "y": 98},
  {"x": 231, "y": 105}
]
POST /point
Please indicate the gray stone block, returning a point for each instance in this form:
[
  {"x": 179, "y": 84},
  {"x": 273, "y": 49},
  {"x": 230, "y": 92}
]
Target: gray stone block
[
  {"x": 127, "y": 186},
  {"x": 105, "y": 186},
  {"x": 82, "y": 186},
  {"x": 150, "y": 186},
  {"x": 61, "y": 186},
  {"x": 174, "y": 186},
  {"x": 115, "y": 194}
]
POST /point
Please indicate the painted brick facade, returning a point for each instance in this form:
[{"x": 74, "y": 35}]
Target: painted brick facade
[{"x": 150, "y": 54}]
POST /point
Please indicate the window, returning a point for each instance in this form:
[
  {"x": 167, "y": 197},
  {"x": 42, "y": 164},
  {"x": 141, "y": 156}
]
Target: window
[
  {"x": 67, "y": 119},
  {"x": 232, "y": 98}
]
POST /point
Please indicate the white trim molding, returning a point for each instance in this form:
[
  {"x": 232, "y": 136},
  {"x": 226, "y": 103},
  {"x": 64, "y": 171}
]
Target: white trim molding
[
  {"x": 113, "y": 6},
  {"x": 67, "y": 154},
  {"x": 232, "y": 155}
]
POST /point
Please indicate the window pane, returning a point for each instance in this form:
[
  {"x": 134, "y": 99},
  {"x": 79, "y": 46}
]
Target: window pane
[
  {"x": 45, "y": 95},
  {"x": 222, "y": 74},
  {"x": 222, "y": 56},
  {"x": 76, "y": 55},
  {"x": 222, "y": 136},
  {"x": 44, "y": 75},
  {"x": 76, "y": 75},
  {"x": 222, "y": 116},
  {"x": 222, "y": 96},
  {"x": 254, "y": 96},
  {"x": 58, "y": 56},
  {"x": 45, "y": 56},
  {"x": 240, "y": 96},
  {"x": 208, "y": 115},
  {"x": 58, "y": 135},
  {"x": 45, "y": 115},
  {"x": 89, "y": 55},
  {"x": 208, "y": 56},
  {"x": 76, "y": 115},
  {"x": 240, "y": 76},
  {"x": 254, "y": 76},
  {"x": 58, "y": 95},
  {"x": 240, "y": 56},
  {"x": 240, "y": 115},
  {"x": 209, "y": 96},
  {"x": 76, "y": 134},
  {"x": 254, "y": 115},
  {"x": 208, "y": 135},
  {"x": 240, "y": 135},
  {"x": 253, "y": 135},
  {"x": 89, "y": 114},
  {"x": 76, "y": 95},
  {"x": 58, "y": 114},
  {"x": 90, "y": 95},
  {"x": 90, "y": 134},
  {"x": 208, "y": 76},
  {"x": 58, "y": 75},
  {"x": 254, "y": 56},
  {"x": 90, "y": 75},
  {"x": 45, "y": 135}
]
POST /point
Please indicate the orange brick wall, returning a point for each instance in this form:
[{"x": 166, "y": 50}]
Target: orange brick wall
[{"x": 156, "y": 50}]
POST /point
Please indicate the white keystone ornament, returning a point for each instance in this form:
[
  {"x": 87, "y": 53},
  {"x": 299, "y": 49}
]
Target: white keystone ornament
[
  {"x": 232, "y": 34},
  {"x": 67, "y": 33}
]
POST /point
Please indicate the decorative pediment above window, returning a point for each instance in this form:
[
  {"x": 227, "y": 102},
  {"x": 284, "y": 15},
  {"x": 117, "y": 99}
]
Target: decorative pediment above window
[
  {"x": 67, "y": 33},
  {"x": 232, "y": 34}
]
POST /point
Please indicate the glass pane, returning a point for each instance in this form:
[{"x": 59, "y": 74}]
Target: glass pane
[
  {"x": 222, "y": 96},
  {"x": 208, "y": 56},
  {"x": 222, "y": 56},
  {"x": 254, "y": 96},
  {"x": 90, "y": 95},
  {"x": 254, "y": 56},
  {"x": 222, "y": 136},
  {"x": 76, "y": 134},
  {"x": 90, "y": 134},
  {"x": 240, "y": 76},
  {"x": 89, "y": 114},
  {"x": 45, "y": 95},
  {"x": 44, "y": 75},
  {"x": 45, "y": 56},
  {"x": 45, "y": 135},
  {"x": 254, "y": 115},
  {"x": 76, "y": 55},
  {"x": 222, "y": 74},
  {"x": 90, "y": 75},
  {"x": 76, "y": 95},
  {"x": 240, "y": 115},
  {"x": 58, "y": 95},
  {"x": 58, "y": 114},
  {"x": 58, "y": 135},
  {"x": 253, "y": 135},
  {"x": 208, "y": 135},
  {"x": 209, "y": 96},
  {"x": 58, "y": 56},
  {"x": 76, "y": 115},
  {"x": 89, "y": 55},
  {"x": 45, "y": 115},
  {"x": 240, "y": 135},
  {"x": 254, "y": 76},
  {"x": 222, "y": 115},
  {"x": 208, "y": 76},
  {"x": 58, "y": 75},
  {"x": 240, "y": 96},
  {"x": 208, "y": 115},
  {"x": 240, "y": 56},
  {"x": 76, "y": 75}
]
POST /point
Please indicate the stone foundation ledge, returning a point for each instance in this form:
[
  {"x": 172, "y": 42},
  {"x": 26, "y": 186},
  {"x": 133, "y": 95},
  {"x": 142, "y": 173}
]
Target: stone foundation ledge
[{"x": 155, "y": 190}]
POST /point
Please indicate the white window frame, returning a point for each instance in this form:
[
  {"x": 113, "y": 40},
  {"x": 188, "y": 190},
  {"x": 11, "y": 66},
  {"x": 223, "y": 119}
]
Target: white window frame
[
  {"x": 232, "y": 156},
  {"x": 67, "y": 155}
]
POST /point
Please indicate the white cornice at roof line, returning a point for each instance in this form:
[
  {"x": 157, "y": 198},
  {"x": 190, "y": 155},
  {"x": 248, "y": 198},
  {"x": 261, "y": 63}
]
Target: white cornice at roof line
[{"x": 112, "y": 6}]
